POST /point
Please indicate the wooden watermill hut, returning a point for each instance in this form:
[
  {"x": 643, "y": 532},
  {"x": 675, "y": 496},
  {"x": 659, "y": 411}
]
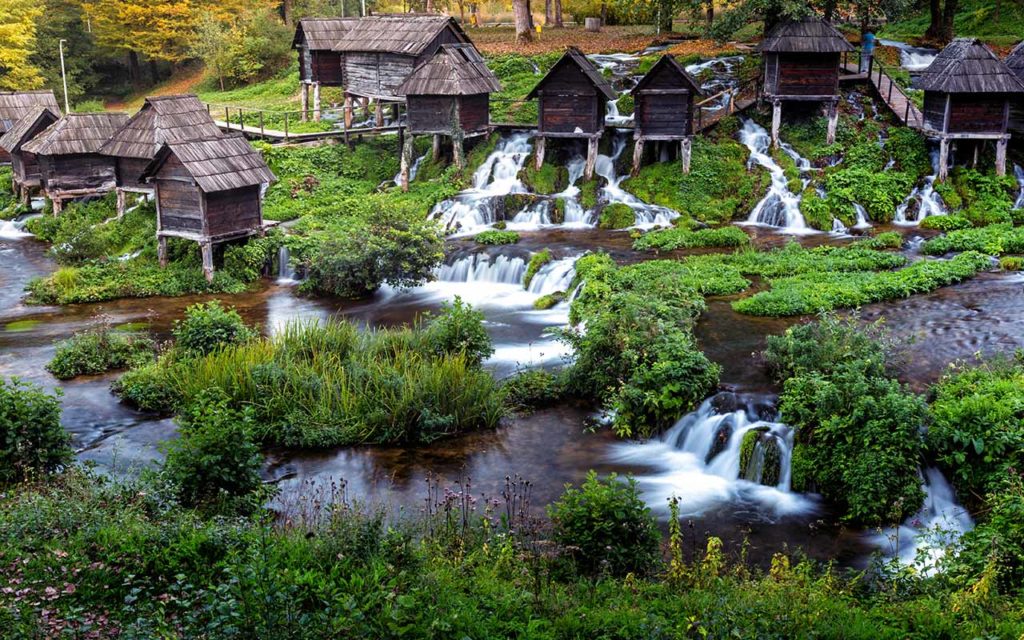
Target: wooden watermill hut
[
  {"x": 14, "y": 105},
  {"x": 379, "y": 52},
  {"x": 70, "y": 163},
  {"x": 449, "y": 95},
  {"x": 663, "y": 109},
  {"x": 967, "y": 96},
  {"x": 25, "y": 166},
  {"x": 1015, "y": 62},
  {"x": 801, "y": 63},
  {"x": 319, "y": 64},
  {"x": 209, "y": 191},
  {"x": 572, "y": 99},
  {"x": 161, "y": 119}
]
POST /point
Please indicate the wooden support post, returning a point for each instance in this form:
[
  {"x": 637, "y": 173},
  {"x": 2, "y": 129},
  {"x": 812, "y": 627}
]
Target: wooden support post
[
  {"x": 348, "y": 112},
  {"x": 365, "y": 102},
  {"x": 542, "y": 144},
  {"x": 435, "y": 150},
  {"x": 943, "y": 158},
  {"x": 407, "y": 150},
  {"x": 833, "y": 121},
  {"x": 685, "y": 149},
  {"x": 776, "y": 121},
  {"x": 161, "y": 250},
  {"x": 638, "y": 155},
  {"x": 207, "y": 249},
  {"x": 58, "y": 205},
  {"x": 379, "y": 114},
  {"x": 974, "y": 161},
  {"x": 305, "y": 101},
  {"x": 121, "y": 202},
  {"x": 1001, "y": 156},
  {"x": 588, "y": 170},
  {"x": 316, "y": 102},
  {"x": 26, "y": 195},
  {"x": 458, "y": 154}
]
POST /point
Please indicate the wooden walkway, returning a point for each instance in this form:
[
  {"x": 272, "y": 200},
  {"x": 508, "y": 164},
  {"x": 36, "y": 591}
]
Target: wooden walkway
[
  {"x": 891, "y": 93},
  {"x": 276, "y": 136}
]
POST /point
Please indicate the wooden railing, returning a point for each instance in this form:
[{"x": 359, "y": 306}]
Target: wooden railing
[
  {"x": 894, "y": 95},
  {"x": 734, "y": 98},
  {"x": 286, "y": 124}
]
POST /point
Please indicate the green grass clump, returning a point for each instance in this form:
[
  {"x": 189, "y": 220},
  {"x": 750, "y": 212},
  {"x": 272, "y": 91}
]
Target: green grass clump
[
  {"x": 681, "y": 238},
  {"x": 617, "y": 216},
  {"x": 495, "y": 237},
  {"x": 1011, "y": 263},
  {"x": 994, "y": 240},
  {"x": 946, "y": 223},
  {"x": 814, "y": 293},
  {"x": 548, "y": 180},
  {"x": 537, "y": 261},
  {"x": 884, "y": 240},
  {"x": 98, "y": 350},
  {"x": 549, "y": 300}
]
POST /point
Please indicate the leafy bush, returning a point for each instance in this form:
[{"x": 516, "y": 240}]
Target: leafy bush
[
  {"x": 993, "y": 240},
  {"x": 32, "y": 439},
  {"x": 946, "y": 223},
  {"x": 459, "y": 329},
  {"x": 1011, "y": 263},
  {"x": 884, "y": 240},
  {"x": 495, "y": 237},
  {"x": 534, "y": 389},
  {"x": 208, "y": 327},
  {"x": 681, "y": 238},
  {"x": 616, "y": 216},
  {"x": 149, "y": 387},
  {"x": 608, "y": 527},
  {"x": 100, "y": 349},
  {"x": 997, "y": 542}
]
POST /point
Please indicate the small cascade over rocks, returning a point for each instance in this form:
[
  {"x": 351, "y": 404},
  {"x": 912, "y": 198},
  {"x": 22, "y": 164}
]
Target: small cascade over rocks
[
  {"x": 863, "y": 221},
  {"x": 613, "y": 117},
  {"x": 647, "y": 215},
  {"x": 729, "y": 450},
  {"x": 913, "y": 59},
  {"x": 1018, "y": 172},
  {"x": 480, "y": 267},
  {"x": 554, "y": 277},
  {"x": 575, "y": 214},
  {"x": 923, "y": 201},
  {"x": 413, "y": 170},
  {"x": 285, "y": 270},
  {"x": 15, "y": 229},
  {"x": 780, "y": 207},
  {"x": 532, "y": 217},
  {"x": 717, "y": 75}
]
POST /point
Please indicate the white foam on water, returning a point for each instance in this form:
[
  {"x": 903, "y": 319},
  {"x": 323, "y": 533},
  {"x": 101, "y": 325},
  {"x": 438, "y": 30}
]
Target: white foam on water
[
  {"x": 780, "y": 207},
  {"x": 647, "y": 215},
  {"x": 928, "y": 201}
]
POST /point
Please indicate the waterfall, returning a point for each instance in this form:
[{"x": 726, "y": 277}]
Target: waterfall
[
  {"x": 14, "y": 229},
  {"x": 612, "y": 116},
  {"x": 532, "y": 217},
  {"x": 1018, "y": 171},
  {"x": 481, "y": 268},
  {"x": 927, "y": 534},
  {"x": 647, "y": 215},
  {"x": 863, "y": 221},
  {"x": 498, "y": 176},
  {"x": 928, "y": 200},
  {"x": 726, "y": 450},
  {"x": 838, "y": 227},
  {"x": 575, "y": 215},
  {"x": 780, "y": 207},
  {"x": 413, "y": 170},
  {"x": 285, "y": 270},
  {"x": 553, "y": 277},
  {"x": 912, "y": 58}
]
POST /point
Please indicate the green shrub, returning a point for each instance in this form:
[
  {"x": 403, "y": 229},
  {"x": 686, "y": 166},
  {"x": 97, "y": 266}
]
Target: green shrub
[
  {"x": 149, "y": 387},
  {"x": 1011, "y": 263},
  {"x": 996, "y": 544},
  {"x": 459, "y": 329},
  {"x": 248, "y": 261},
  {"x": 537, "y": 261},
  {"x": 616, "y": 216},
  {"x": 681, "y": 238},
  {"x": 550, "y": 179},
  {"x": 607, "y": 526},
  {"x": 946, "y": 223},
  {"x": 884, "y": 240},
  {"x": 208, "y": 327},
  {"x": 98, "y": 350},
  {"x": 32, "y": 439},
  {"x": 494, "y": 237},
  {"x": 534, "y": 389},
  {"x": 993, "y": 240}
]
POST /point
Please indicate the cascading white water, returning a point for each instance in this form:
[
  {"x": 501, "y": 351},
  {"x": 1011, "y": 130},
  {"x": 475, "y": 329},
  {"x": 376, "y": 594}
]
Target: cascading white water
[
  {"x": 617, "y": 63},
  {"x": 863, "y": 221},
  {"x": 923, "y": 539},
  {"x": 1018, "y": 172},
  {"x": 481, "y": 268},
  {"x": 929, "y": 203},
  {"x": 498, "y": 176},
  {"x": 413, "y": 170},
  {"x": 285, "y": 270},
  {"x": 722, "y": 78},
  {"x": 532, "y": 217},
  {"x": 698, "y": 460},
  {"x": 14, "y": 229},
  {"x": 612, "y": 116},
  {"x": 553, "y": 277},
  {"x": 912, "y": 58},
  {"x": 575, "y": 214},
  {"x": 780, "y": 207},
  {"x": 647, "y": 215}
]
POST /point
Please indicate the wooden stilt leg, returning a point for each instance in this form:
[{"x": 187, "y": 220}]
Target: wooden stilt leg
[
  {"x": 348, "y": 112},
  {"x": 638, "y": 155},
  {"x": 685, "y": 149},
  {"x": 365, "y": 102},
  {"x": 161, "y": 250},
  {"x": 776, "y": 121},
  {"x": 457, "y": 151},
  {"x": 977, "y": 149},
  {"x": 305, "y": 101},
  {"x": 121, "y": 202},
  {"x": 379, "y": 114},
  {"x": 1001, "y": 157},
  {"x": 588, "y": 170},
  {"x": 26, "y": 195},
  {"x": 58, "y": 205},
  {"x": 435, "y": 150},
  {"x": 542, "y": 144},
  {"x": 406, "y": 162},
  {"x": 833, "y": 121},
  {"x": 207, "y": 250},
  {"x": 316, "y": 101},
  {"x": 943, "y": 158}
]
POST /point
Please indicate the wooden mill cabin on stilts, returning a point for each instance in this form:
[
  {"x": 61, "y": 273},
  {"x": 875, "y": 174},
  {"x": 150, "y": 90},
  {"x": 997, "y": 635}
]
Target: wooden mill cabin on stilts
[
  {"x": 15, "y": 105},
  {"x": 571, "y": 98},
  {"x": 70, "y": 163},
  {"x": 26, "y": 175},
  {"x": 967, "y": 96},
  {"x": 209, "y": 191},
  {"x": 801, "y": 63},
  {"x": 161, "y": 119},
  {"x": 1015, "y": 62},
  {"x": 449, "y": 95},
  {"x": 663, "y": 109},
  {"x": 379, "y": 52},
  {"x": 319, "y": 64}
]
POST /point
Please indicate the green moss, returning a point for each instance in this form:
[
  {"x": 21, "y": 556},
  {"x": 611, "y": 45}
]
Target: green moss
[
  {"x": 626, "y": 104},
  {"x": 537, "y": 261},
  {"x": 617, "y": 216},
  {"x": 21, "y": 325},
  {"x": 747, "y": 446},
  {"x": 550, "y": 179},
  {"x": 495, "y": 237},
  {"x": 1011, "y": 263},
  {"x": 558, "y": 211},
  {"x": 549, "y": 300},
  {"x": 588, "y": 193}
]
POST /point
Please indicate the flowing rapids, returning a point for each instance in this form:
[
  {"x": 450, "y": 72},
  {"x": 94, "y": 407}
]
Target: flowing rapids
[
  {"x": 780, "y": 207},
  {"x": 923, "y": 201}
]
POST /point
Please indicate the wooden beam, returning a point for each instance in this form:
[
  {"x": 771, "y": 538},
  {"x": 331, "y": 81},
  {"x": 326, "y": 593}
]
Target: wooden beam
[
  {"x": 776, "y": 121},
  {"x": 1001, "y": 157},
  {"x": 833, "y": 122},
  {"x": 161, "y": 250},
  {"x": 943, "y": 158},
  {"x": 304, "y": 94},
  {"x": 121, "y": 202},
  {"x": 685, "y": 150},
  {"x": 207, "y": 250},
  {"x": 316, "y": 101},
  {"x": 588, "y": 170}
]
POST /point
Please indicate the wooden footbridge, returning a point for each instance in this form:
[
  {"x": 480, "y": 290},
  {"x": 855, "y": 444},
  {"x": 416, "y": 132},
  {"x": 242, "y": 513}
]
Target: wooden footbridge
[{"x": 888, "y": 90}]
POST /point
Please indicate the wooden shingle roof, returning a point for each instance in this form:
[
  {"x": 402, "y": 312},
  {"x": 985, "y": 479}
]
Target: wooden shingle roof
[
  {"x": 455, "y": 70},
  {"x": 321, "y": 34},
  {"x": 402, "y": 34},
  {"x": 16, "y": 104},
  {"x": 77, "y": 133},
  {"x": 810, "y": 35},
  {"x": 966, "y": 65},
  {"x": 161, "y": 119},
  {"x": 669, "y": 62},
  {"x": 575, "y": 57},
  {"x": 19, "y": 133},
  {"x": 217, "y": 164},
  {"x": 1015, "y": 61}
]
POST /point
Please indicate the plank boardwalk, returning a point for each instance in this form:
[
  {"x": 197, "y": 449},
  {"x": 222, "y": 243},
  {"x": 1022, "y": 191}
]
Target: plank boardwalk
[
  {"x": 713, "y": 117},
  {"x": 892, "y": 94},
  {"x": 273, "y": 135}
]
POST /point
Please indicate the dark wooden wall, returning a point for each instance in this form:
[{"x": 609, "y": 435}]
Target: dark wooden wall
[
  {"x": 431, "y": 114},
  {"x": 475, "y": 112},
  {"x": 305, "y": 63},
  {"x": 376, "y": 74},
  {"x": 448, "y": 36},
  {"x": 934, "y": 110},
  {"x": 801, "y": 74},
  {"x": 664, "y": 107},
  {"x": 977, "y": 113},
  {"x": 1017, "y": 117},
  {"x": 568, "y": 100},
  {"x": 77, "y": 172},
  {"x": 234, "y": 211},
  {"x": 129, "y": 173},
  {"x": 179, "y": 201},
  {"x": 4, "y": 156},
  {"x": 25, "y": 166},
  {"x": 327, "y": 68}
]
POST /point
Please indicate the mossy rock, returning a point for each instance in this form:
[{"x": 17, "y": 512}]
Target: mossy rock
[
  {"x": 1011, "y": 263},
  {"x": 617, "y": 216},
  {"x": 558, "y": 211},
  {"x": 516, "y": 202},
  {"x": 755, "y": 442},
  {"x": 537, "y": 261},
  {"x": 588, "y": 193},
  {"x": 496, "y": 237},
  {"x": 549, "y": 180},
  {"x": 721, "y": 440},
  {"x": 549, "y": 300}
]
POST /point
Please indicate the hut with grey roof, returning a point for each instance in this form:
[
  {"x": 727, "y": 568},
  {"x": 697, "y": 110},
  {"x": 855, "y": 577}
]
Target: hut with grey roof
[
  {"x": 70, "y": 163},
  {"x": 449, "y": 95},
  {"x": 663, "y": 109},
  {"x": 572, "y": 99},
  {"x": 161, "y": 119},
  {"x": 967, "y": 95},
  {"x": 25, "y": 166},
  {"x": 319, "y": 64},
  {"x": 209, "y": 191},
  {"x": 14, "y": 105},
  {"x": 1015, "y": 62},
  {"x": 802, "y": 60}
]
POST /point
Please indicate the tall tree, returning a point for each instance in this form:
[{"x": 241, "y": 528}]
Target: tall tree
[
  {"x": 17, "y": 44},
  {"x": 521, "y": 11},
  {"x": 941, "y": 29},
  {"x": 64, "y": 20}
]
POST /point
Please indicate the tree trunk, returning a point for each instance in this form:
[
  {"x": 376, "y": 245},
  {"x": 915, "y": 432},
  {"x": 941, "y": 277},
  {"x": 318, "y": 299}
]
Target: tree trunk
[
  {"x": 153, "y": 71},
  {"x": 558, "y": 13},
  {"x": 830, "y": 10},
  {"x": 430, "y": 6},
  {"x": 667, "y": 18},
  {"x": 521, "y": 11},
  {"x": 949, "y": 13},
  {"x": 133, "y": 68},
  {"x": 286, "y": 8},
  {"x": 529, "y": 15},
  {"x": 710, "y": 13},
  {"x": 604, "y": 13},
  {"x": 549, "y": 12},
  {"x": 934, "y": 31}
]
